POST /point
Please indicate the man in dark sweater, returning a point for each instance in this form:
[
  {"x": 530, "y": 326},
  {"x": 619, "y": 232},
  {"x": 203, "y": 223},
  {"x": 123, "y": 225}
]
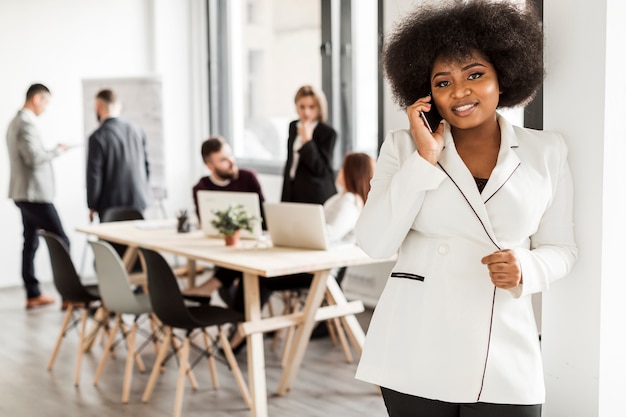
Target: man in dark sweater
[{"x": 225, "y": 176}]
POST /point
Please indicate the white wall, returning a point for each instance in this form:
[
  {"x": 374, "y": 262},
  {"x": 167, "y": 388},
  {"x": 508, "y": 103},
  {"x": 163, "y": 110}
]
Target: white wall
[
  {"x": 584, "y": 99},
  {"x": 61, "y": 42}
]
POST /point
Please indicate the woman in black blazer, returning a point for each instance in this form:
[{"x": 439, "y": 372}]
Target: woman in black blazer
[{"x": 308, "y": 175}]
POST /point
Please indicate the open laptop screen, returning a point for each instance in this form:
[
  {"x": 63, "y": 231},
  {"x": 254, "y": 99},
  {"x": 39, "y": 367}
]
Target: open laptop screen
[{"x": 296, "y": 225}]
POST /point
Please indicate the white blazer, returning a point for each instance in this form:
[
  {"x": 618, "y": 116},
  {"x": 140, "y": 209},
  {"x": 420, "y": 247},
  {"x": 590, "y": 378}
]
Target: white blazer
[{"x": 441, "y": 329}]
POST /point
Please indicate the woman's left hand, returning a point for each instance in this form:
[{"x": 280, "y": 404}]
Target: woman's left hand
[{"x": 504, "y": 269}]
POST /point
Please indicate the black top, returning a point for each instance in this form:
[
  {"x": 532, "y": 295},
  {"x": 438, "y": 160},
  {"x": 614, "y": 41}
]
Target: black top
[
  {"x": 314, "y": 181},
  {"x": 480, "y": 183}
]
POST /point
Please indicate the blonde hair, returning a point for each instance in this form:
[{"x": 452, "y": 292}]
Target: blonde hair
[{"x": 318, "y": 95}]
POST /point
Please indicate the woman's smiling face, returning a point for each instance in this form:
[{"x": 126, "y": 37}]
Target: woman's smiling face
[{"x": 466, "y": 90}]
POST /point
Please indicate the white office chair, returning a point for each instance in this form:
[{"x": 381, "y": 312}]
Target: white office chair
[{"x": 119, "y": 298}]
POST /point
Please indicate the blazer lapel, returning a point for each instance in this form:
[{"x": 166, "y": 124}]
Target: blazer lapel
[
  {"x": 457, "y": 171},
  {"x": 508, "y": 161}
]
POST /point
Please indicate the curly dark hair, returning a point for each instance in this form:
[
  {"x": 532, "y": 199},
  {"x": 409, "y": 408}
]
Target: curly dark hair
[{"x": 510, "y": 37}]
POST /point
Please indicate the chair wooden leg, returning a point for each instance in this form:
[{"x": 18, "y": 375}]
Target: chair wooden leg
[
  {"x": 155, "y": 326},
  {"x": 291, "y": 331},
  {"x": 286, "y": 310},
  {"x": 211, "y": 359},
  {"x": 130, "y": 359},
  {"x": 66, "y": 322},
  {"x": 156, "y": 369},
  {"x": 333, "y": 328},
  {"x": 190, "y": 374},
  {"x": 125, "y": 332},
  {"x": 104, "y": 331},
  {"x": 234, "y": 367},
  {"x": 137, "y": 356},
  {"x": 180, "y": 383},
  {"x": 99, "y": 317},
  {"x": 107, "y": 349},
  {"x": 79, "y": 355}
]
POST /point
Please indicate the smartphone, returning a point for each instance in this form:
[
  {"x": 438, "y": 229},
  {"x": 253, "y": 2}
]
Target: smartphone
[{"x": 431, "y": 118}]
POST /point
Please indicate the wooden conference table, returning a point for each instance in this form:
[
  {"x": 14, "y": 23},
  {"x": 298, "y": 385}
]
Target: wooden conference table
[{"x": 257, "y": 260}]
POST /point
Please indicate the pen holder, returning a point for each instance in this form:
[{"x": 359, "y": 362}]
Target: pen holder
[{"x": 183, "y": 225}]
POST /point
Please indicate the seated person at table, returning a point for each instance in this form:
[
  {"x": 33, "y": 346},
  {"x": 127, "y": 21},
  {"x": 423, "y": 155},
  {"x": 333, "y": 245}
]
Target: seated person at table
[
  {"x": 225, "y": 175},
  {"x": 341, "y": 211}
]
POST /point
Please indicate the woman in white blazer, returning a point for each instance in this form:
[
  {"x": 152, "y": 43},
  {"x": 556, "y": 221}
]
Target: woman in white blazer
[{"x": 479, "y": 213}]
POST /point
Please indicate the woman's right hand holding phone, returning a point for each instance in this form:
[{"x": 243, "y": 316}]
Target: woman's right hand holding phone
[{"x": 429, "y": 145}]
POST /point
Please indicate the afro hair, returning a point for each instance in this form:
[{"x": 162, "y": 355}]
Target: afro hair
[{"x": 510, "y": 37}]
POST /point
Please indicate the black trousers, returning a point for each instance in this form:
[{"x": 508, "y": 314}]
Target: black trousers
[
  {"x": 228, "y": 277},
  {"x": 405, "y": 405},
  {"x": 37, "y": 216}
]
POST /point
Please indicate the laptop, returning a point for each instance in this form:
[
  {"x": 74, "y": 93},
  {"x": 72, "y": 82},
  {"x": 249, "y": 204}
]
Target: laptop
[
  {"x": 296, "y": 225},
  {"x": 208, "y": 201}
]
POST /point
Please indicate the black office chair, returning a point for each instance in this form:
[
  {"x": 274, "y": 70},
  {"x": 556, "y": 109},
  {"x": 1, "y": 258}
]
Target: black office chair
[
  {"x": 78, "y": 296},
  {"x": 170, "y": 308},
  {"x": 117, "y": 214}
]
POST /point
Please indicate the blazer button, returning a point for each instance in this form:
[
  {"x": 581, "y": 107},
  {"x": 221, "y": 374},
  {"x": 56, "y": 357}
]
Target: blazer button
[{"x": 444, "y": 249}]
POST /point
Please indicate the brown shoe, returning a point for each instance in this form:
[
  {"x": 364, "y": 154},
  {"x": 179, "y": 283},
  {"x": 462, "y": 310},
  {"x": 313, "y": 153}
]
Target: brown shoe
[{"x": 39, "y": 301}]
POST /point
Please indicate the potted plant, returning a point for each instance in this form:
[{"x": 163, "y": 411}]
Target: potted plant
[{"x": 230, "y": 221}]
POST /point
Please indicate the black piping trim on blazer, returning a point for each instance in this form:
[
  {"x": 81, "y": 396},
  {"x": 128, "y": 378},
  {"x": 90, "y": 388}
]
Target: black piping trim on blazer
[
  {"x": 493, "y": 305},
  {"x": 493, "y": 298},
  {"x": 470, "y": 204},
  {"x": 407, "y": 276},
  {"x": 507, "y": 180}
]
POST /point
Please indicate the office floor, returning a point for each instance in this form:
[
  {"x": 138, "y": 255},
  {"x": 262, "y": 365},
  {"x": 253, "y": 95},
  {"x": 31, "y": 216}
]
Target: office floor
[{"x": 325, "y": 385}]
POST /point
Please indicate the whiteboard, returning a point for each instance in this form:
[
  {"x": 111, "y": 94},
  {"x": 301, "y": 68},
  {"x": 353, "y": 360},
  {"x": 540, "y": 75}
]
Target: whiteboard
[{"x": 142, "y": 105}]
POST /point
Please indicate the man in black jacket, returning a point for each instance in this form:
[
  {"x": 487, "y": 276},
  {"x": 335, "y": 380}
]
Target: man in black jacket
[{"x": 117, "y": 160}]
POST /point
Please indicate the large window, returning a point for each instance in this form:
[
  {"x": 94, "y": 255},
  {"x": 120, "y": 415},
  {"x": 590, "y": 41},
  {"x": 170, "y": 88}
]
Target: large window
[{"x": 262, "y": 51}]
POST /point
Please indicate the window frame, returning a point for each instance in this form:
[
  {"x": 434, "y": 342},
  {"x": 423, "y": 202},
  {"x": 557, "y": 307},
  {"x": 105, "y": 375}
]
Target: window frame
[{"x": 337, "y": 77}]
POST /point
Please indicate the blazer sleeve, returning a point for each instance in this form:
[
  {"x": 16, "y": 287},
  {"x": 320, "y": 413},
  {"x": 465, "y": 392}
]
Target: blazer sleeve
[
  {"x": 31, "y": 149},
  {"x": 390, "y": 209},
  {"x": 553, "y": 247},
  {"x": 316, "y": 155},
  {"x": 95, "y": 167}
]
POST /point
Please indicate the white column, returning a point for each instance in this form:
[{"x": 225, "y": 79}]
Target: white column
[{"x": 584, "y": 316}]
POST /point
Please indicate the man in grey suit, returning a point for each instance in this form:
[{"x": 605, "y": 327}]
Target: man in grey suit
[
  {"x": 31, "y": 186},
  {"x": 117, "y": 160}
]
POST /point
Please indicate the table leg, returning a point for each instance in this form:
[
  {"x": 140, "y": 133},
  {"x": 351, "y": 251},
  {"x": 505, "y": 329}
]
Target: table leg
[
  {"x": 255, "y": 349},
  {"x": 191, "y": 273},
  {"x": 303, "y": 332},
  {"x": 130, "y": 256},
  {"x": 350, "y": 322}
]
